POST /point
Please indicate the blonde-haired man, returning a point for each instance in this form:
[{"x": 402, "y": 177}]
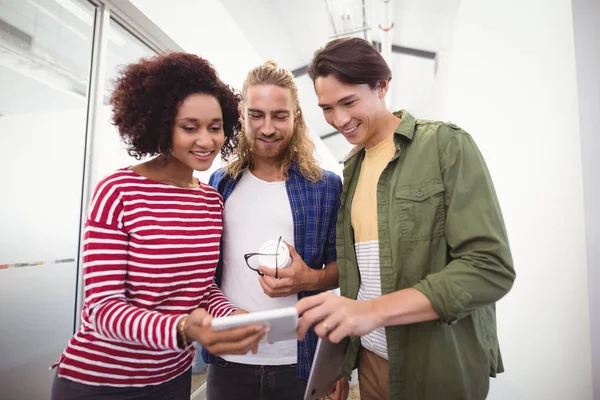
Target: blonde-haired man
[{"x": 273, "y": 187}]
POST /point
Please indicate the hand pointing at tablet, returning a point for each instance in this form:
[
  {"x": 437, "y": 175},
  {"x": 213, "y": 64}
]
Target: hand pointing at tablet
[{"x": 335, "y": 317}]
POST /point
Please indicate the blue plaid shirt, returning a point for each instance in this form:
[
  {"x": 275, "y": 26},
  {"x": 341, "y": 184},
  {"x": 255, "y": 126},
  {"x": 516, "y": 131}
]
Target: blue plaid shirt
[{"x": 314, "y": 211}]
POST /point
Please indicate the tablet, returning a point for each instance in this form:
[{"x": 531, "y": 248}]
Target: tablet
[
  {"x": 326, "y": 368},
  {"x": 283, "y": 322}
]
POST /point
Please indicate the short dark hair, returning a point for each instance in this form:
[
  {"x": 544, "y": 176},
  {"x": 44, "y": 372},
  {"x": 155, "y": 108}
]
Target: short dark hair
[
  {"x": 351, "y": 60},
  {"x": 148, "y": 93}
]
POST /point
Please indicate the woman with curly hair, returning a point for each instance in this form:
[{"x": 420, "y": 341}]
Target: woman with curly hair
[{"x": 152, "y": 240}]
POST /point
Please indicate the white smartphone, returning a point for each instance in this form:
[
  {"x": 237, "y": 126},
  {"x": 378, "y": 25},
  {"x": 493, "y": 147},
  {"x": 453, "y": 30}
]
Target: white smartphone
[{"x": 282, "y": 322}]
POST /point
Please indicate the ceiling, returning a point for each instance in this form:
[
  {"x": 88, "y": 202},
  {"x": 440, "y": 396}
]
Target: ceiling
[
  {"x": 58, "y": 34},
  {"x": 290, "y": 31}
]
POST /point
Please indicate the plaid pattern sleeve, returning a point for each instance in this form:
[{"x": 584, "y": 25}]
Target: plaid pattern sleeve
[
  {"x": 314, "y": 210},
  {"x": 314, "y": 207}
]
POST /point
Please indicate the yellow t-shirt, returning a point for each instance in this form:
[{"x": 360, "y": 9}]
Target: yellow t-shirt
[
  {"x": 364, "y": 203},
  {"x": 364, "y": 222}
]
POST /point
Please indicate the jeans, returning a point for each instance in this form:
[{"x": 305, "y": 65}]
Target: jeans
[{"x": 231, "y": 381}]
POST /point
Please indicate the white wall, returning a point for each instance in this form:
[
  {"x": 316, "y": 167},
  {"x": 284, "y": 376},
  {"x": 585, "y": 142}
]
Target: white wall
[
  {"x": 586, "y": 21},
  {"x": 509, "y": 78}
]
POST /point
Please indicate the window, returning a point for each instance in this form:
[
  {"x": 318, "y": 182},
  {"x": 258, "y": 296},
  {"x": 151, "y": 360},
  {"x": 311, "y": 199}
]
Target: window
[
  {"x": 45, "y": 61},
  {"x": 109, "y": 152}
]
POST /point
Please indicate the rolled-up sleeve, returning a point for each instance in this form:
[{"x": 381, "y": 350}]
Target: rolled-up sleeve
[{"x": 480, "y": 271}]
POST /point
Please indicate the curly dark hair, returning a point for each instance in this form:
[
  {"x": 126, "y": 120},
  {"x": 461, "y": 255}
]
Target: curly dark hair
[{"x": 148, "y": 93}]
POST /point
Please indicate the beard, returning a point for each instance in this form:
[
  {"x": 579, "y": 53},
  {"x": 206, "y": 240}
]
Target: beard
[{"x": 274, "y": 151}]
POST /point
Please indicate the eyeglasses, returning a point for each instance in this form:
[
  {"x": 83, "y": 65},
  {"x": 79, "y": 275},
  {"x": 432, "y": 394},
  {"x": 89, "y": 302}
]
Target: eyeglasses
[{"x": 276, "y": 255}]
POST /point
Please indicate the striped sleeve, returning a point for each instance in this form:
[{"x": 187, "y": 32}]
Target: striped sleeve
[
  {"x": 217, "y": 304},
  {"x": 105, "y": 261}
]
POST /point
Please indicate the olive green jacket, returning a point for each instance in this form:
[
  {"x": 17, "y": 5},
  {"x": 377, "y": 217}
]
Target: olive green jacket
[{"x": 440, "y": 231}]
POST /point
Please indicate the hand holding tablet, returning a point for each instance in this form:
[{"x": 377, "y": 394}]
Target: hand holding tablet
[
  {"x": 197, "y": 327},
  {"x": 282, "y": 323}
]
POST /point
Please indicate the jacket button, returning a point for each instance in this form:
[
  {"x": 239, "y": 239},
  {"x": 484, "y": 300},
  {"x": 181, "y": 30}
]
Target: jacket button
[{"x": 419, "y": 194}]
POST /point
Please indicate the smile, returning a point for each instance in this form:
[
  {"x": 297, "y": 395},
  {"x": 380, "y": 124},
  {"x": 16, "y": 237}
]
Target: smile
[
  {"x": 350, "y": 131},
  {"x": 202, "y": 153}
]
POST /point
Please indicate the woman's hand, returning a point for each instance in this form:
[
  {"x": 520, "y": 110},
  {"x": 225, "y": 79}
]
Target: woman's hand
[{"x": 229, "y": 341}]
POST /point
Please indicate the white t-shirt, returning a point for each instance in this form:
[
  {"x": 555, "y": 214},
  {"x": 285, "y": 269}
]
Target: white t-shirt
[{"x": 256, "y": 211}]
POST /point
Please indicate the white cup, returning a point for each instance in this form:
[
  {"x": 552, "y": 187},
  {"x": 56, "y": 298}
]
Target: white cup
[{"x": 283, "y": 258}]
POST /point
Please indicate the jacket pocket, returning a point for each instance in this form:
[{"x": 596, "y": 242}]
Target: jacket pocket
[{"x": 420, "y": 210}]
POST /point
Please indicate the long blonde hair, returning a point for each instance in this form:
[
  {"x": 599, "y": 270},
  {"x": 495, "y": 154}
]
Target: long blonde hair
[{"x": 301, "y": 148}]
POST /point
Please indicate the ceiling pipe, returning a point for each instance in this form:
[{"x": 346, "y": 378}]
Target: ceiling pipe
[{"x": 386, "y": 26}]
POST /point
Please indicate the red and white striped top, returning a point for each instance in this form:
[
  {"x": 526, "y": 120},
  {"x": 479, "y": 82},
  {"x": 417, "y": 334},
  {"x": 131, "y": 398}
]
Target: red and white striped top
[{"x": 150, "y": 255}]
